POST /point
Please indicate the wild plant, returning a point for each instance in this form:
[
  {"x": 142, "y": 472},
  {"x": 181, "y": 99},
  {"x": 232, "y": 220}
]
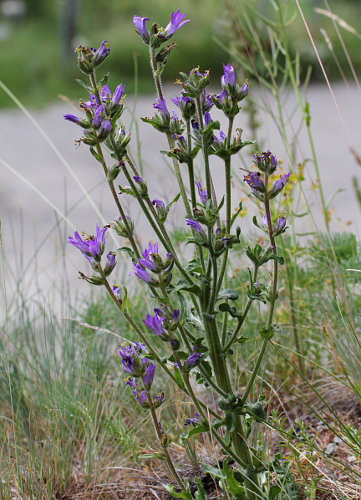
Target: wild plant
[{"x": 196, "y": 315}]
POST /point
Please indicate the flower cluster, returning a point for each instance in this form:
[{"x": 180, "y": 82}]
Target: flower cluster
[
  {"x": 92, "y": 248},
  {"x": 158, "y": 35},
  {"x": 153, "y": 262},
  {"x": 164, "y": 121},
  {"x": 257, "y": 184},
  {"x": 231, "y": 94},
  {"x": 162, "y": 324},
  {"x": 139, "y": 368},
  {"x": 89, "y": 58},
  {"x": 100, "y": 111}
]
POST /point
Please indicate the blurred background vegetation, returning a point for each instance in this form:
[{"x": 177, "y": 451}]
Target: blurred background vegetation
[{"x": 38, "y": 37}]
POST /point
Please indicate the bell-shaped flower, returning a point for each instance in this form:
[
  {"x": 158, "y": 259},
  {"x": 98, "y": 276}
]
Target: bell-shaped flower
[
  {"x": 139, "y": 23},
  {"x": 279, "y": 185},
  {"x": 176, "y": 22},
  {"x": 202, "y": 193},
  {"x": 155, "y": 323},
  {"x": 92, "y": 246}
]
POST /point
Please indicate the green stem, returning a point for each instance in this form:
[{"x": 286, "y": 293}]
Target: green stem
[
  {"x": 134, "y": 325},
  {"x": 158, "y": 85},
  {"x": 162, "y": 236},
  {"x": 204, "y": 150},
  {"x": 190, "y": 166},
  {"x": 214, "y": 283},
  {"x": 242, "y": 318},
  {"x": 110, "y": 183}
]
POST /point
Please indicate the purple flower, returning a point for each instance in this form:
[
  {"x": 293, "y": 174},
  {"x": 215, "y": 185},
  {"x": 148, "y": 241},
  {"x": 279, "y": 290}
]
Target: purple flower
[
  {"x": 141, "y": 273},
  {"x": 105, "y": 129},
  {"x": 110, "y": 265},
  {"x": 130, "y": 360},
  {"x": 228, "y": 78},
  {"x": 105, "y": 93},
  {"x": 151, "y": 257},
  {"x": 130, "y": 381},
  {"x": 255, "y": 181},
  {"x": 181, "y": 101},
  {"x": 116, "y": 291},
  {"x": 186, "y": 105},
  {"x": 243, "y": 91},
  {"x": 176, "y": 316},
  {"x": 222, "y": 97},
  {"x": 97, "y": 117},
  {"x": 148, "y": 264},
  {"x": 139, "y": 348},
  {"x": 160, "y": 104},
  {"x": 101, "y": 53},
  {"x": 118, "y": 93},
  {"x": 279, "y": 185},
  {"x": 281, "y": 182},
  {"x": 206, "y": 101},
  {"x": 207, "y": 118},
  {"x": 139, "y": 23},
  {"x": 148, "y": 375},
  {"x": 155, "y": 324},
  {"x": 158, "y": 399},
  {"x": 194, "y": 421},
  {"x": 194, "y": 225},
  {"x": 280, "y": 224},
  {"x": 266, "y": 162},
  {"x": 160, "y": 208},
  {"x": 141, "y": 398},
  {"x": 91, "y": 247},
  {"x": 176, "y": 22},
  {"x": 193, "y": 357},
  {"x": 222, "y": 138},
  {"x": 152, "y": 249},
  {"x": 202, "y": 192},
  {"x": 74, "y": 119}
]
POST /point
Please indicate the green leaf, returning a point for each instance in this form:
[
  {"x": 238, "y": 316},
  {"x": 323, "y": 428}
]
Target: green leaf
[
  {"x": 124, "y": 300},
  {"x": 232, "y": 484},
  {"x": 209, "y": 317},
  {"x": 179, "y": 494},
  {"x": 96, "y": 155},
  {"x": 230, "y": 421},
  {"x": 268, "y": 333},
  {"x": 213, "y": 471},
  {"x": 278, "y": 258},
  {"x": 129, "y": 251},
  {"x": 273, "y": 492},
  {"x": 225, "y": 307},
  {"x": 184, "y": 285},
  {"x": 202, "y": 427},
  {"x": 171, "y": 203},
  {"x": 256, "y": 409},
  {"x": 88, "y": 88},
  {"x": 227, "y": 293},
  {"x": 150, "y": 456},
  {"x": 179, "y": 378},
  {"x": 126, "y": 191},
  {"x": 236, "y": 214},
  {"x": 200, "y": 494}
]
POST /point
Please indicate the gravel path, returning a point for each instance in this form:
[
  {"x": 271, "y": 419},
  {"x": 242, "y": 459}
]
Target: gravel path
[{"x": 33, "y": 234}]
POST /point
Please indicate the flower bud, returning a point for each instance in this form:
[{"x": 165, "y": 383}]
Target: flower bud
[{"x": 142, "y": 185}]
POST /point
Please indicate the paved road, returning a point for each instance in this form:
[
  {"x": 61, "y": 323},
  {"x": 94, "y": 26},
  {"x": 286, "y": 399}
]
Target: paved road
[{"x": 33, "y": 234}]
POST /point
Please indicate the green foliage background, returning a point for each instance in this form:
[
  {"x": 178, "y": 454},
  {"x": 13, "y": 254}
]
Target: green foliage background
[{"x": 33, "y": 67}]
